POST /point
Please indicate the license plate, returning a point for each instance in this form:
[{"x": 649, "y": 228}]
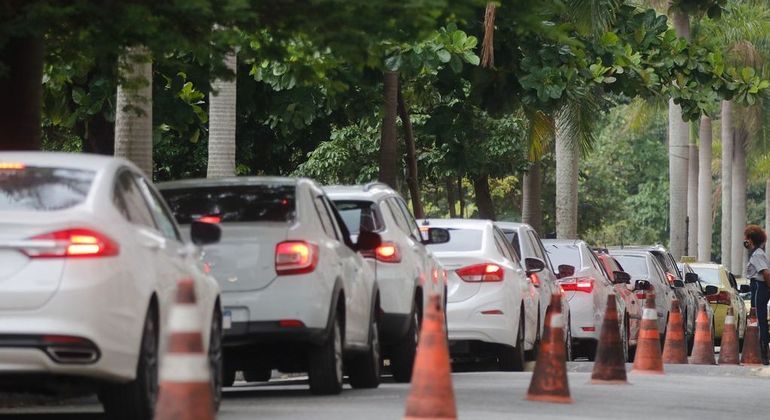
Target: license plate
[{"x": 227, "y": 320}]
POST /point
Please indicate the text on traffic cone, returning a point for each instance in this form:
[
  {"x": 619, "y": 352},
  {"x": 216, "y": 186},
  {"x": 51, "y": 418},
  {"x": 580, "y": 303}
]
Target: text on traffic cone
[
  {"x": 549, "y": 380},
  {"x": 610, "y": 365}
]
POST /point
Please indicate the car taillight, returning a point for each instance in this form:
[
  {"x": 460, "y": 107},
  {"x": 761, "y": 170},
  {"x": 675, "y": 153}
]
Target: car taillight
[
  {"x": 12, "y": 166},
  {"x": 71, "y": 243},
  {"x": 579, "y": 284},
  {"x": 295, "y": 257},
  {"x": 481, "y": 273},
  {"x": 640, "y": 295},
  {"x": 214, "y": 220},
  {"x": 671, "y": 278},
  {"x": 388, "y": 252},
  {"x": 721, "y": 297}
]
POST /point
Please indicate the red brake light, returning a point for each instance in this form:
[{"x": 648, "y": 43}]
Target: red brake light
[
  {"x": 721, "y": 297},
  {"x": 580, "y": 284},
  {"x": 72, "y": 243},
  {"x": 388, "y": 252},
  {"x": 670, "y": 277},
  {"x": 640, "y": 295},
  {"x": 295, "y": 257},
  {"x": 214, "y": 220},
  {"x": 481, "y": 273}
]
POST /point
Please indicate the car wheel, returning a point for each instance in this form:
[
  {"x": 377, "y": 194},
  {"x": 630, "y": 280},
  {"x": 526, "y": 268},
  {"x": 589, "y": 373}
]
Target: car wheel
[
  {"x": 216, "y": 358},
  {"x": 512, "y": 359},
  {"x": 626, "y": 340},
  {"x": 532, "y": 354},
  {"x": 262, "y": 374},
  {"x": 135, "y": 400},
  {"x": 402, "y": 357},
  {"x": 325, "y": 364},
  {"x": 364, "y": 369}
]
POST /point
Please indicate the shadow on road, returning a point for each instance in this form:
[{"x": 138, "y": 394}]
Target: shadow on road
[{"x": 55, "y": 416}]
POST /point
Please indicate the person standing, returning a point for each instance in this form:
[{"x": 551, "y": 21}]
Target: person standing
[{"x": 758, "y": 271}]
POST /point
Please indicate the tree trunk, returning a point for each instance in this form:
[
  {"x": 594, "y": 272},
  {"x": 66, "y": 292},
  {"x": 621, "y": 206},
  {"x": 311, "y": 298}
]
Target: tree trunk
[
  {"x": 222, "y": 114},
  {"x": 412, "y": 179},
  {"x": 727, "y": 182},
  {"x": 678, "y": 157},
  {"x": 461, "y": 196},
  {"x": 483, "y": 197},
  {"x": 100, "y": 135},
  {"x": 705, "y": 221},
  {"x": 450, "y": 197},
  {"x": 388, "y": 146},
  {"x": 133, "y": 109},
  {"x": 767, "y": 205},
  {"x": 692, "y": 201},
  {"x": 531, "y": 206},
  {"x": 22, "y": 90},
  {"x": 567, "y": 158},
  {"x": 739, "y": 202}
]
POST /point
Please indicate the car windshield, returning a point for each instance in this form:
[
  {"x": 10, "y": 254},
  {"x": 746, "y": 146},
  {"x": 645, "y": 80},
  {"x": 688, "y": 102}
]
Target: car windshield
[
  {"x": 460, "y": 240},
  {"x": 708, "y": 275},
  {"x": 359, "y": 216},
  {"x": 635, "y": 265},
  {"x": 246, "y": 203},
  {"x": 25, "y": 188},
  {"x": 564, "y": 255}
]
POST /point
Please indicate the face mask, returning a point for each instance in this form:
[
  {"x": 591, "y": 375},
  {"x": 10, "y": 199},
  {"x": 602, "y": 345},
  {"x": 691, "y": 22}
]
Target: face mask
[{"x": 747, "y": 244}]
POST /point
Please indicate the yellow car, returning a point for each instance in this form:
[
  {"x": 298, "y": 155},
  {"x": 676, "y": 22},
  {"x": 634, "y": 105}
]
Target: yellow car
[{"x": 717, "y": 275}]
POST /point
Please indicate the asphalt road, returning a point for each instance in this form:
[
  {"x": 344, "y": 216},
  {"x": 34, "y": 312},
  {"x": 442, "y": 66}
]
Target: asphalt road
[{"x": 685, "y": 392}]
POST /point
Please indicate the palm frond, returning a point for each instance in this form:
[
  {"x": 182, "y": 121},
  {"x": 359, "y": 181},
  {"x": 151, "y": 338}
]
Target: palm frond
[
  {"x": 577, "y": 119},
  {"x": 593, "y": 16},
  {"x": 540, "y": 132}
]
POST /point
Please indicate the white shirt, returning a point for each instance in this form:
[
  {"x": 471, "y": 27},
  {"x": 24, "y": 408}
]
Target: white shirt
[{"x": 757, "y": 263}]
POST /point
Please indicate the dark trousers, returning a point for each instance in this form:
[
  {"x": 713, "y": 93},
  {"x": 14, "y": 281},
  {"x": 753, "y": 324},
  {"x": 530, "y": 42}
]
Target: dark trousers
[{"x": 759, "y": 299}]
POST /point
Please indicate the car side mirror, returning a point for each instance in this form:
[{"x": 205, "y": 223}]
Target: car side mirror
[
  {"x": 712, "y": 290},
  {"x": 203, "y": 233},
  {"x": 534, "y": 265},
  {"x": 678, "y": 283},
  {"x": 690, "y": 278},
  {"x": 436, "y": 236},
  {"x": 368, "y": 241},
  {"x": 621, "y": 277},
  {"x": 744, "y": 288},
  {"x": 642, "y": 285},
  {"x": 566, "y": 270}
]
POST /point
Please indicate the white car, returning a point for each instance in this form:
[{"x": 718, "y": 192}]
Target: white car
[
  {"x": 491, "y": 302},
  {"x": 89, "y": 261},
  {"x": 407, "y": 272},
  {"x": 297, "y": 295},
  {"x": 586, "y": 288}
]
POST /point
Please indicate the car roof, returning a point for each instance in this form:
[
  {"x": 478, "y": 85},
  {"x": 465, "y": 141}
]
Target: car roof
[
  {"x": 371, "y": 191},
  {"x": 626, "y": 251},
  {"x": 457, "y": 223},
  {"x": 708, "y": 265},
  {"x": 64, "y": 160},
  {"x": 647, "y": 248},
  {"x": 512, "y": 225},
  {"x": 563, "y": 242},
  {"x": 230, "y": 182}
]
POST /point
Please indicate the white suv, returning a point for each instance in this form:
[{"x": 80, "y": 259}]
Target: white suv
[
  {"x": 407, "y": 272},
  {"x": 297, "y": 295}
]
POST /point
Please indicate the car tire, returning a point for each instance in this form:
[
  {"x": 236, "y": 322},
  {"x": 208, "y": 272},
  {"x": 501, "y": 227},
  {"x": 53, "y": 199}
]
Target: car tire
[
  {"x": 262, "y": 374},
  {"x": 136, "y": 400},
  {"x": 511, "y": 359},
  {"x": 216, "y": 358},
  {"x": 325, "y": 363},
  {"x": 532, "y": 354},
  {"x": 568, "y": 342},
  {"x": 364, "y": 369},
  {"x": 403, "y": 353}
]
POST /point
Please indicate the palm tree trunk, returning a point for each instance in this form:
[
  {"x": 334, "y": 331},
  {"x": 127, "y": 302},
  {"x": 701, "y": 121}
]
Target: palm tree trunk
[
  {"x": 705, "y": 222},
  {"x": 450, "y": 197},
  {"x": 412, "y": 179},
  {"x": 22, "y": 88},
  {"x": 388, "y": 146},
  {"x": 222, "y": 117},
  {"x": 567, "y": 158},
  {"x": 461, "y": 196},
  {"x": 133, "y": 109},
  {"x": 483, "y": 197},
  {"x": 739, "y": 202},
  {"x": 727, "y": 182},
  {"x": 767, "y": 205},
  {"x": 691, "y": 247},
  {"x": 531, "y": 206}
]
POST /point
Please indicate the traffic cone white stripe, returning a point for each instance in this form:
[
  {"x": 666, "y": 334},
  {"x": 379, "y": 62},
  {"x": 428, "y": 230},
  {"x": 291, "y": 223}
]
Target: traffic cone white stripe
[
  {"x": 557, "y": 321},
  {"x": 184, "y": 368},
  {"x": 184, "y": 318},
  {"x": 730, "y": 319},
  {"x": 649, "y": 314}
]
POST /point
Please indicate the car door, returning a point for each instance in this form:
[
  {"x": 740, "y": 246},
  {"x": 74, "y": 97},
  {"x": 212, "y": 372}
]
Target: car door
[
  {"x": 422, "y": 260},
  {"x": 662, "y": 291},
  {"x": 528, "y": 292}
]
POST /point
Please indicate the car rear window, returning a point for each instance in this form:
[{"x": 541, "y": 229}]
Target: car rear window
[
  {"x": 564, "y": 255},
  {"x": 28, "y": 188},
  {"x": 634, "y": 265},
  {"x": 242, "y": 203},
  {"x": 709, "y": 276},
  {"x": 359, "y": 216},
  {"x": 460, "y": 240}
]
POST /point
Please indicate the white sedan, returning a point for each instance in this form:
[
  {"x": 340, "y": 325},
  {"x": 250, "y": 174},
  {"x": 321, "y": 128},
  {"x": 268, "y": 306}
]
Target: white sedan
[{"x": 89, "y": 261}]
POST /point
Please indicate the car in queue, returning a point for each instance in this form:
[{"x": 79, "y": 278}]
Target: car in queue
[
  {"x": 407, "y": 272},
  {"x": 693, "y": 283},
  {"x": 90, "y": 257},
  {"x": 624, "y": 289},
  {"x": 297, "y": 294},
  {"x": 491, "y": 302},
  {"x": 726, "y": 295}
]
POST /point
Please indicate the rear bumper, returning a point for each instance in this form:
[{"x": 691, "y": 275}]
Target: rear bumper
[
  {"x": 467, "y": 322},
  {"x": 583, "y": 317},
  {"x": 259, "y": 332}
]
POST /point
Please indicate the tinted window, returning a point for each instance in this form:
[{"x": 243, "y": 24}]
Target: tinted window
[
  {"x": 130, "y": 202},
  {"x": 399, "y": 216},
  {"x": 564, "y": 255},
  {"x": 410, "y": 222},
  {"x": 359, "y": 216},
  {"x": 634, "y": 265},
  {"x": 507, "y": 250},
  {"x": 43, "y": 189},
  {"x": 460, "y": 240},
  {"x": 246, "y": 203},
  {"x": 536, "y": 245},
  {"x": 513, "y": 239},
  {"x": 325, "y": 217},
  {"x": 164, "y": 220}
]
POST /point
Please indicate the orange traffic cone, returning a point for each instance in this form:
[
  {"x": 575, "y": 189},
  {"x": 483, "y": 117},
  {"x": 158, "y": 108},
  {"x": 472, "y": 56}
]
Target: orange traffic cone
[
  {"x": 751, "y": 346},
  {"x": 549, "y": 381},
  {"x": 431, "y": 395},
  {"x": 703, "y": 350},
  {"x": 648, "y": 358},
  {"x": 185, "y": 379},
  {"x": 675, "y": 349},
  {"x": 610, "y": 365},
  {"x": 728, "y": 353}
]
